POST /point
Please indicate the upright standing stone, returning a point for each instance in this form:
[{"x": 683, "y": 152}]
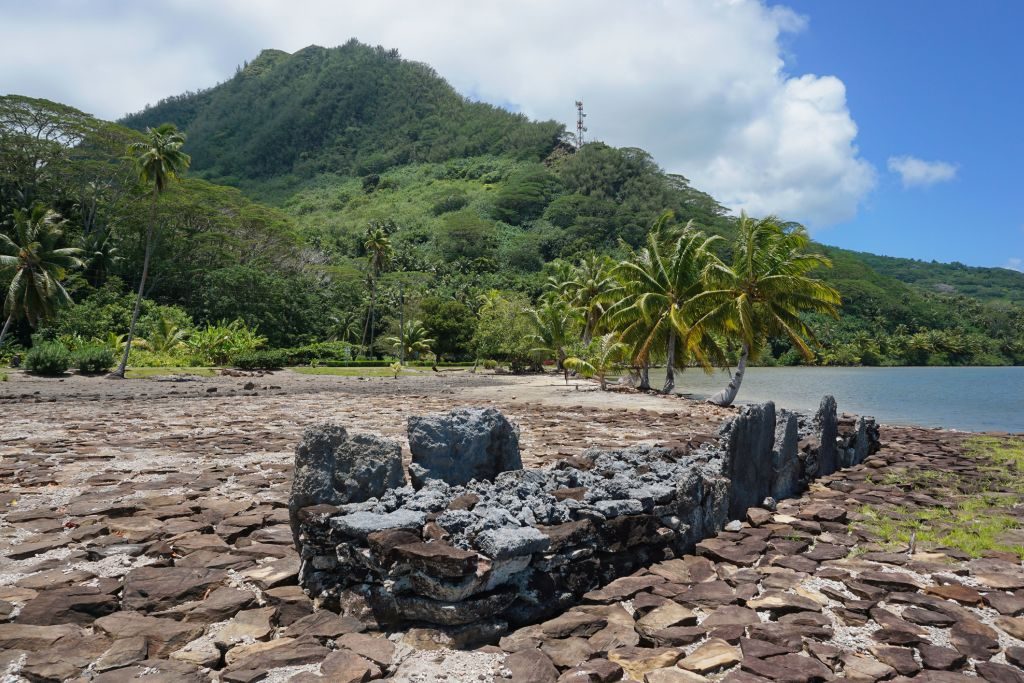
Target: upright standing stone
[
  {"x": 334, "y": 467},
  {"x": 785, "y": 461},
  {"x": 748, "y": 442},
  {"x": 465, "y": 444},
  {"x": 828, "y": 429}
]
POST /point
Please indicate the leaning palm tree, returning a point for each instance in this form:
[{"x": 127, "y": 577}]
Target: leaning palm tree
[
  {"x": 603, "y": 356},
  {"x": 36, "y": 265},
  {"x": 379, "y": 253},
  {"x": 413, "y": 340},
  {"x": 762, "y": 294},
  {"x": 158, "y": 160},
  {"x": 656, "y": 285}
]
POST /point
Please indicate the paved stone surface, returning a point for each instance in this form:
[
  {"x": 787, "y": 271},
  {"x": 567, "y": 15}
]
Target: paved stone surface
[{"x": 150, "y": 537}]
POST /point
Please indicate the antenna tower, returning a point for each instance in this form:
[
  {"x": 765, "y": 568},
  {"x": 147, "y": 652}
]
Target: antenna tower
[{"x": 580, "y": 128}]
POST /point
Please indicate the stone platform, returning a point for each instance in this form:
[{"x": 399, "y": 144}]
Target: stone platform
[{"x": 531, "y": 543}]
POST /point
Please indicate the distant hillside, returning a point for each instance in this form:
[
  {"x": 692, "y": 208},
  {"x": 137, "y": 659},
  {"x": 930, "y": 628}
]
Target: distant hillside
[
  {"x": 350, "y": 110},
  {"x": 986, "y": 284},
  {"x": 475, "y": 198}
]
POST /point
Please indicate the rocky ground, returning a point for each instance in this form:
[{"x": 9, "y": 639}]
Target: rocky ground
[{"x": 149, "y": 540}]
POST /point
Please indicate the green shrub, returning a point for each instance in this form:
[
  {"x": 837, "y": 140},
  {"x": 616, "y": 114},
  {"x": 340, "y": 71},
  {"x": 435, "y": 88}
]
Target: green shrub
[
  {"x": 490, "y": 364},
  {"x": 321, "y": 353},
  {"x": 261, "y": 360},
  {"x": 355, "y": 363},
  {"x": 144, "y": 358},
  {"x": 48, "y": 358},
  {"x": 3, "y": 376},
  {"x": 94, "y": 359}
]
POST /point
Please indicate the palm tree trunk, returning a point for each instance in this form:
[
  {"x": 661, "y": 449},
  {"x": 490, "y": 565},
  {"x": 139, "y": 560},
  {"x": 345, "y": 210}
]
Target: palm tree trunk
[
  {"x": 670, "y": 363},
  {"x": 645, "y": 376},
  {"x": 373, "y": 311},
  {"x": 7, "y": 325},
  {"x": 119, "y": 373},
  {"x": 726, "y": 396}
]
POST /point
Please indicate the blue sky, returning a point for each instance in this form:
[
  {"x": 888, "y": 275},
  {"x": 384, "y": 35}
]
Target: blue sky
[
  {"x": 889, "y": 126},
  {"x": 938, "y": 80}
]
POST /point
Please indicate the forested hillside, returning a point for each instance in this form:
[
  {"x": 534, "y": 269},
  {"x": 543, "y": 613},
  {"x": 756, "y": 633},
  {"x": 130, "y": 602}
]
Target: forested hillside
[
  {"x": 366, "y": 190},
  {"x": 353, "y": 110},
  {"x": 986, "y": 284}
]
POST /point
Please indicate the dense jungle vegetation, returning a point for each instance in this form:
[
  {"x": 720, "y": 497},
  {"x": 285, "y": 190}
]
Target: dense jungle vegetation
[{"x": 335, "y": 194}]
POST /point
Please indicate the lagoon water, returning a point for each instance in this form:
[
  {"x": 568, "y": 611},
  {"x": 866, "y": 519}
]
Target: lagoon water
[{"x": 973, "y": 399}]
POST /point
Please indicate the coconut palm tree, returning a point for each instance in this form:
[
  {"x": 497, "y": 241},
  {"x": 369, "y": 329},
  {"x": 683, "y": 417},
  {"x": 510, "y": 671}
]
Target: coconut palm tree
[
  {"x": 36, "y": 265},
  {"x": 100, "y": 254},
  {"x": 413, "y": 338},
  {"x": 556, "y": 325},
  {"x": 166, "y": 336},
  {"x": 603, "y": 356},
  {"x": 379, "y": 253},
  {"x": 655, "y": 287},
  {"x": 762, "y": 294},
  {"x": 587, "y": 289},
  {"x": 158, "y": 161},
  {"x": 345, "y": 327}
]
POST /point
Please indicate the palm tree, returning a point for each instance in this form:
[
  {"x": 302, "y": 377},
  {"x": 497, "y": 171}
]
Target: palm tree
[
  {"x": 556, "y": 324},
  {"x": 100, "y": 254},
  {"x": 379, "y": 253},
  {"x": 587, "y": 290},
  {"x": 158, "y": 160},
  {"x": 166, "y": 337},
  {"x": 656, "y": 285},
  {"x": 764, "y": 292},
  {"x": 36, "y": 265},
  {"x": 345, "y": 327},
  {"x": 413, "y": 338},
  {"x": 605, "y": 353}
]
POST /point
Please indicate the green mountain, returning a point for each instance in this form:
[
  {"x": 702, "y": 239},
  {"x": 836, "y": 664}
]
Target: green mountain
[
  {"x": 325, "y": 143},
  {"x": 351, "y": 110}
]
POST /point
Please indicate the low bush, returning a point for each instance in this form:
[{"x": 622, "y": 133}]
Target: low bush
[
  {"x": 261, "y": 360},
  {"x": 144, "y": 358},
  {"x": 48, "y": 358},
  {"x": 94, "y": 359},
  {"x": 319, "y": 353},
  {"x": 490, "y": 364}
]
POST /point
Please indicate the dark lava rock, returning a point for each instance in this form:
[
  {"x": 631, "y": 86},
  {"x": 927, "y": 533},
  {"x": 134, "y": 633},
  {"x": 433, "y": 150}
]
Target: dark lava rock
[
  {"x": 465, "y": 444},
  {"x": 333, "y": 467}
]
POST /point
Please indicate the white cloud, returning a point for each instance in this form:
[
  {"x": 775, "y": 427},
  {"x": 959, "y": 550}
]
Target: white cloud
[
  {"x": 1015, "y": 264},
  {"x": 916, "y": 172},
  {"x": 698, "y": 83}
]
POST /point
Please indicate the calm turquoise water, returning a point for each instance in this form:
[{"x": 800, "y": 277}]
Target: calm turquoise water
[{"x": 974, "y": 399}]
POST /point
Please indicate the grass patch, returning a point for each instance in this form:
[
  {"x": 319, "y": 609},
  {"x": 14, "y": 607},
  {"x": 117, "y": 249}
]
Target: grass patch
[
  {"x": 981, "y": 506},
  {"x": 142, "y": 373},
  {"x": 973, "y": 526},
  {"x": 1002, "y": 453},
  {"x": 905, "y": 478},
  {"x": 3, "y": 376}
]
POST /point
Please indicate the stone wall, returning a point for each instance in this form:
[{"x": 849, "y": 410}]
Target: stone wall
[{"x": 525, "y": 544}]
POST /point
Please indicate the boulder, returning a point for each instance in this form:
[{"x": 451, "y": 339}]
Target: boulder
[
  {"x": 334, "y": 467},
  {"x": 465, "y": 444}
]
